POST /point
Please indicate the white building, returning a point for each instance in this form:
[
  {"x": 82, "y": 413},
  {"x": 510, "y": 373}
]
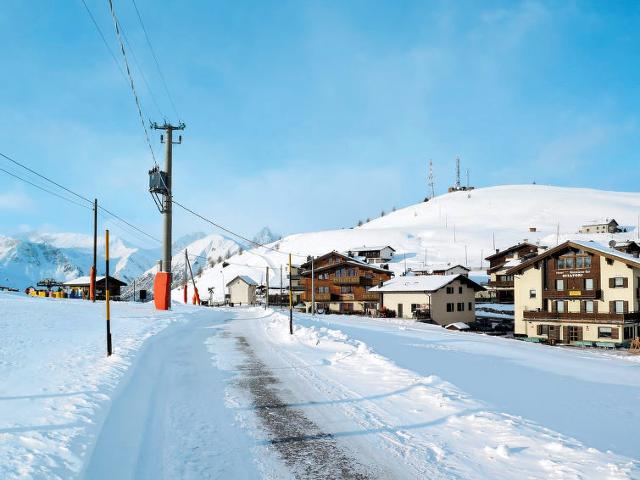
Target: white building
[
  {"x": 441, "y": 299},
  {"x": 443, "y": 269},
  {"x": 600, "y": 226},
  {"x": 374, "y": 254},
  {"x": 242, "y": 290}
]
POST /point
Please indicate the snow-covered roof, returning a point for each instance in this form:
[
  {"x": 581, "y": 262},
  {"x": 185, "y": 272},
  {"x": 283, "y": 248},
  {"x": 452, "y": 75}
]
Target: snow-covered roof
[
  {"x": 83, "y": 280},
  {"x": 420, "y": 283},
  {"x": 246, "y": 279},
  {"x": 587, "y": 245},
  {"x": 364, "y": 248},
  {"x": 601, "y": 221},
  {"x": 458, "y": 325}
]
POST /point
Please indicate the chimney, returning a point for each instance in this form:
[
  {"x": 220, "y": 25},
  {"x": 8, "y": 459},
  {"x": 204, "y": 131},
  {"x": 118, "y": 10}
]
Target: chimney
[
  {"x": 497, "y": 250},
  {"x": 380, "y": 283}
]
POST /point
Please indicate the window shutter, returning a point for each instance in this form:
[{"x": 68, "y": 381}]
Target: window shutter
[
  {"x": 595, "y": 306},
  {"x": 539, "y": 329},
  {"x": 580, "y": 334},
  {"x": 625, "y": 307},
  {"x": 565, "y": 334},
  {"x": 611, "y": 283},
  {"x": 615, "y": 333},
  {"x": 554, "y": 306},
  {"x": 612, "y": 306},
  {"x": 625, "y": 282},
  {"x": 583, "y": 307}
]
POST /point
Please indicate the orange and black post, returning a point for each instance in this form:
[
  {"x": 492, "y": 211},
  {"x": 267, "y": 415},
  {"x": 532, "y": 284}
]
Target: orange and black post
[
  {"x": 290, "y": 299},
  {"x": 106, "y": 293}
]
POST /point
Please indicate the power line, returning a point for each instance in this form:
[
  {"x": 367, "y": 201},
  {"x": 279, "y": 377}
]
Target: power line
[
  {"x": 116, "y": 25},
  {"x": 104, "y": 40},
  {"x": 82, "y": 197},
  {"x": 45, "y": 178},
  {"x": 155, "y": 58},
  {"x": 217, "y": 225},
  {"x": 44, "y": 189}
]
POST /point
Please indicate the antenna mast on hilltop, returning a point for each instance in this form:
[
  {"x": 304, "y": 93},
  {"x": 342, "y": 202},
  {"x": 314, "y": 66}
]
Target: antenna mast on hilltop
[
  {"x": 432, "y": 192},
  {"x": 457, "y": 173}
]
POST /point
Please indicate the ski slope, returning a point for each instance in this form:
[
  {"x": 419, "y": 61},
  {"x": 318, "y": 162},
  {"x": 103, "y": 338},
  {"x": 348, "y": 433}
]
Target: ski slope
[{"x": 457, "y": 227}]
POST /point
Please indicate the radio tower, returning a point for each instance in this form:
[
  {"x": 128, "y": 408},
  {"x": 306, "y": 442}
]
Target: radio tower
[
  {"x": 457, "y": 173},
  {"x": 432, "y": 192}
]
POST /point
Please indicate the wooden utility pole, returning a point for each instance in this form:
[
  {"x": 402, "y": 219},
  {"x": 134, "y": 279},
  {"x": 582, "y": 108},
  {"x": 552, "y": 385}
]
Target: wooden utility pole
[
  {"x": 167, "y": 196},
  {"x": 92, "y": 274},
  {"x": 280, "y": 300},
  {"x": 290, "y": 299},
  {"x": 106, "y": 294},
  {"x": 266, "y": 302},
  {"x": 313, "y": 287}
]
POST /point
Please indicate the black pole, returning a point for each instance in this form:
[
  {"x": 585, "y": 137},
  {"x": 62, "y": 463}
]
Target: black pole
[
  {"x": 95, "y": 247},
  {"x": 106, "y": 293}
]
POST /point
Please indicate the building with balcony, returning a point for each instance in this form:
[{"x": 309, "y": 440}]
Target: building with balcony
[
  {"x": 579, "y": 293},
  {"x": 374, "y": 254},
  {"x": 341, "y": 283},
  {"x": 601, "y": 226},
  {"x": 441, "y": 299},
  {"x": 442, "y": 269},
  {"x": 500, "y": 284}
]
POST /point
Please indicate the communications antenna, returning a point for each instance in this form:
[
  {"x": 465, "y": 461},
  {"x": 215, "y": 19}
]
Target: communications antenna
[{"x": 432, "y": 192}]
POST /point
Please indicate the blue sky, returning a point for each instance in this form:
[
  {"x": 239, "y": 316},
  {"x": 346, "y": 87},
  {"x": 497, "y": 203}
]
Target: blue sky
[{"x": 312, "y": 115}]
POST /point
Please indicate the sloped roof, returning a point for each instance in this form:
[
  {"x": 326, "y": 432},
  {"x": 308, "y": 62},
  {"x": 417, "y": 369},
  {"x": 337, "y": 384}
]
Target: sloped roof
[
  {"x": 511, "y": 249},
  {"x": 246, "y": 279},
  {"x": 458, "y": 325},
  {"x": 364, "y": 248},
  {"x": 588, "y": 246},
  {"x": 86, "y": 280},
  {"x": 346, "y": 260},
  {"x": 422, "y": 283},
  {"x": 593, "y": 223}
]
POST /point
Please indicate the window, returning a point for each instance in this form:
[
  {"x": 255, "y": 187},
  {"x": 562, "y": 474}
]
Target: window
[
  {"x": 470, "y": 306},
  {"x": 588, "y": 306},
  {"x": 459, "y": 289},
  {"x": 543, "y": 329},
  {"x": 346, "y": 289},
  {"x": 579, "y": 262},
  {"x": 569, "y": 262},
  {"x": 449, "y": 307},
  {"x": 559, "y": 284},
  {"x": 559, "y": 306},
  {"x": 561, "y": 263},
  {"x": 532, "y": 293},
  {"x": 323, "y": 289},
  {"x": 450, "y": 290},
  {"x": 628, "y": 333},
  {"x": 588, "y": 283},
  {"x": 618, "y": 282},
  {"x": 461, "y": 306},
  {"x": 575, "y": 334},
  {"x": 604, "y": 332},
  {"x": 587, "y": 262},
  {"x": 619, "y": 306}
]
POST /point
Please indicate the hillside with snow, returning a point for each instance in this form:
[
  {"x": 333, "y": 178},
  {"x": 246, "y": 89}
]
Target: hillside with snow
[{"x": 459, "y": 227}]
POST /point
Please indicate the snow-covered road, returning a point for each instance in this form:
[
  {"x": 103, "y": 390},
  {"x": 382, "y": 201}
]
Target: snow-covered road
[{"x": 228, "y": 393}]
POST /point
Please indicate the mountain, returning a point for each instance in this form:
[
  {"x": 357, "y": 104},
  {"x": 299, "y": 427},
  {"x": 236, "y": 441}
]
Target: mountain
[
  {"x": 203, "y": 252},
  {"x": 30, "y": 257},
  {"x": 265, "y": 236},
  {"x": 457, "y": 227}
]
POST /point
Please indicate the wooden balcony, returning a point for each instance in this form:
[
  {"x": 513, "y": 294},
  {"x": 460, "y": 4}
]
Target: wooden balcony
[
  {"x": 346, "y": 297},
  {"x": 614, "y": 318},
  {"x": 500, "y": 283},
  {"x": 371, "y": 297},
  {"x": 354, "y": 280},
  {"x": 320, "y": 297},
  {"x": 572, "y": 294}
]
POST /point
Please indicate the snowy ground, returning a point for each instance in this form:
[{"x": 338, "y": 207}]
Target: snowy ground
[{"x": 228, "y": 393}]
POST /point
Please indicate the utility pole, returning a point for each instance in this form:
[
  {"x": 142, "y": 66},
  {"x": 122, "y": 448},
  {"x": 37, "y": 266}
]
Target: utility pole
[
  {"x": 166, "y": 209},
  {"x": 280, "y": 301},
  {"x": 106, "y": 294},
  {"x": 92, "y": 274},
  {"x": 432, "y": 192},
  {"x": 290, "y": 299},
  {"x": 466, "y": 260},
  {"x": 186, "y": 276},
  {"x": 266, "y": 303},
  {"x": 313, "y": 288}
]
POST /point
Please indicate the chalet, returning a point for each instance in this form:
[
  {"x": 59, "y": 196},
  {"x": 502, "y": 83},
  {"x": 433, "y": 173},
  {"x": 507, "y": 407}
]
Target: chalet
[
  {"x": 79, "y": 287},
  {"x": 242, "y": 290},
  {"x": 342, "y": 283},
  {"x": 601, "y": 226},
  {"x": 446, "y": 269},
  {"x": 441, "y": 299},
  {"x": 579, "y": 293},
  {"x": 375, "y": 254},
  {"x": 628, "y": 246},
  {"x": 500, "y": 283}
]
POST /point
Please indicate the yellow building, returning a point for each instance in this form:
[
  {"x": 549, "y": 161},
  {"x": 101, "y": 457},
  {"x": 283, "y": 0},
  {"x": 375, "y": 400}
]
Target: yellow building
[{"x": 579, "y": 293}]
